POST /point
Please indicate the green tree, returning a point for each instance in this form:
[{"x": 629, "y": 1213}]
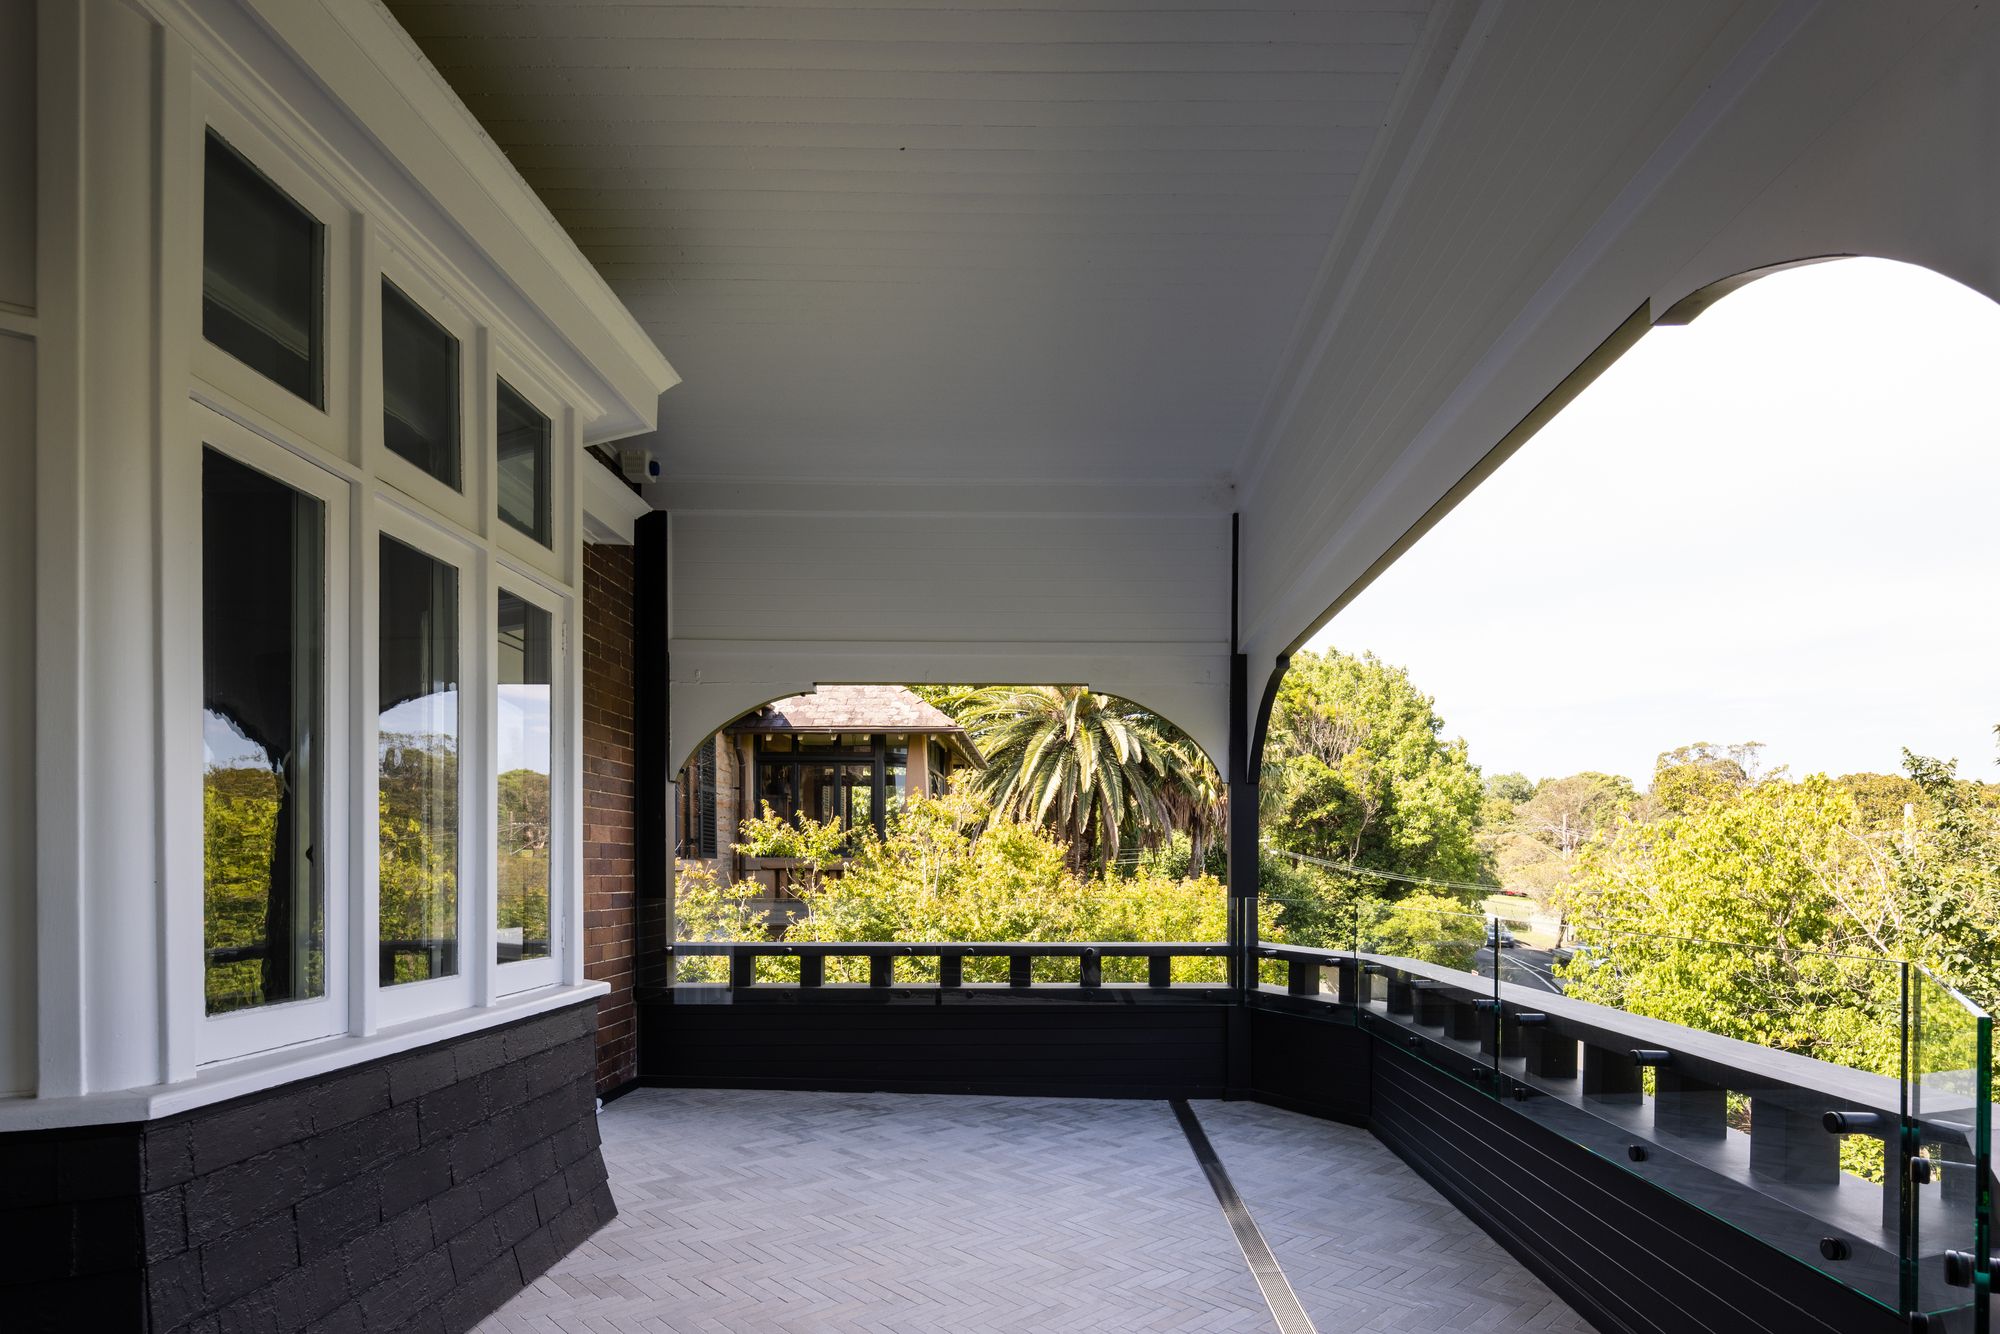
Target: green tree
[
  {"x": 1749, "y": 911},
  {"x": 1097, "y": 771},
  {"x": 1358, "y": 770}
]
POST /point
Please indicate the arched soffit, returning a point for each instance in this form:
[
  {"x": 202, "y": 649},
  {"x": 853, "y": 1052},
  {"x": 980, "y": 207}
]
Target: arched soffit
[
  {"x": 700, "y": 709},
  {"x": 1683, "y": 311},
  {"x": 720, "y": 704}
]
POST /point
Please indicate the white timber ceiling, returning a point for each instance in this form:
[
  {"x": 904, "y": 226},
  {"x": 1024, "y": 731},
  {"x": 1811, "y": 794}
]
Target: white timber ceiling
[
  {"x": 1038, "y": 241},
  {"x": 990, "y": 317}
]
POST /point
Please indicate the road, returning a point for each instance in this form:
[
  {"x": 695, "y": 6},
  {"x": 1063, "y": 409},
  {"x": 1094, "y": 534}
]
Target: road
[{"x": 1528, "y": 967}]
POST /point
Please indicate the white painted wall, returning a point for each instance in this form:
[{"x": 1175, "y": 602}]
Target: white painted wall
[
  {"x": 17, "y": 714},
  {"x": 780, "y": 587},
  {"x": 17, "y": 545}
]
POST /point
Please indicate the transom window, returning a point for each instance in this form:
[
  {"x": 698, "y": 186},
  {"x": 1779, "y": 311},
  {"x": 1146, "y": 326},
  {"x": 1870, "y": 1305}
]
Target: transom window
[
  {"x": 262, "y": 274},
  {"x": 420, "y": 389},
  {"x": 522, "y": 457}
]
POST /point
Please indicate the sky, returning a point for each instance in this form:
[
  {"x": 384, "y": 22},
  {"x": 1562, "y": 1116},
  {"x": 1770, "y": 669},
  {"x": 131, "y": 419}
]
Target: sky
[{"x": 1774, "y": 524}]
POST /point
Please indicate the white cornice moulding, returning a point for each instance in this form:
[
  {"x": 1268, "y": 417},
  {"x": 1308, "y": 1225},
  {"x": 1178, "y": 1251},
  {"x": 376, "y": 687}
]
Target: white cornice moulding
[{"x": 610, "y": 508}]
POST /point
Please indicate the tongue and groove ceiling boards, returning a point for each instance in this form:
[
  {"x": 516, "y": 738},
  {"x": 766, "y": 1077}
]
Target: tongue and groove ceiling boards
[
  {"x": 989, "y": 316},
  {"x": 1045, "y": 240}
]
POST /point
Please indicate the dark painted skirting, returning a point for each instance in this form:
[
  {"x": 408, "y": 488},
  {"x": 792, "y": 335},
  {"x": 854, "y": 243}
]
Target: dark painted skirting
[
  {"x": 1311, "y": 1063},
  {"x": 1045, "y": 1048},
  {"x": 1626, "y": 1255},
  {"x": 414, "y": 1193}
]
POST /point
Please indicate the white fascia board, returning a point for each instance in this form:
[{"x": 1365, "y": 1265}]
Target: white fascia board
[
  {"x": 372, "y": 67},
  {"x": 610, "y": 508}
]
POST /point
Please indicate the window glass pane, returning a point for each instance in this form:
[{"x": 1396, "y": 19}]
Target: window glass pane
[
  {"x": 263, "y": 609},
  {"x": 774, "y": 789},
  {"x": 260, "y": 274},
  {"x": 418, "y": 801},
  {"x": 897, "y": 787},
  {"x": 526, "y": 761},
  {"x": 819, "y": 794},
  {"x": 419, "y": 387},
  {"x": 524, "y": 464},
  {"x": 860, "y": 792}
]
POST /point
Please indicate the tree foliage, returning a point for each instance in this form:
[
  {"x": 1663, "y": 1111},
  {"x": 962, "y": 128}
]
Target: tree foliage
[
  {"x": 951, "y": 868},
  {"x": 1099, "y": 772},
  {"x": 1358, "y": 770}
]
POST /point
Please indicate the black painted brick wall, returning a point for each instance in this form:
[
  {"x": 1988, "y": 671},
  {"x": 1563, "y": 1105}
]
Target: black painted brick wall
[{"x": 413, "y": 1193}]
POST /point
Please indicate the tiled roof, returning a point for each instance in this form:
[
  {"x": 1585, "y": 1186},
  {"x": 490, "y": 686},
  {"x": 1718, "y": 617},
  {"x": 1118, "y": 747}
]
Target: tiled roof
[{"x": 856, "y": 709}]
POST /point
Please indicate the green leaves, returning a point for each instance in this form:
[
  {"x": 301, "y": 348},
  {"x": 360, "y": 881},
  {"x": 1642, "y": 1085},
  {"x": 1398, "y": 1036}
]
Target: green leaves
[
  {"x": 1097, "y": 771},
  {"x": 1356, "y": 770}
]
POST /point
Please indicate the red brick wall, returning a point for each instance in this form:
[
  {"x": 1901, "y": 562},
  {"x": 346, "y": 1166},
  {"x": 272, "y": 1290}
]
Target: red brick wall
[{"x": 609, "y": 813}]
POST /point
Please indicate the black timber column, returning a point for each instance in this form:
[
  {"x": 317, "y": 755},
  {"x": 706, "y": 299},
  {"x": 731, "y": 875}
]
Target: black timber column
[
  {"x": 652, "y": 754},
  {"x": 1242, "y": 872}
]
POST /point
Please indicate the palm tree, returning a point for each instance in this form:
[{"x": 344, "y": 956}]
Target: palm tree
[{"x": 1094, "y": 768}]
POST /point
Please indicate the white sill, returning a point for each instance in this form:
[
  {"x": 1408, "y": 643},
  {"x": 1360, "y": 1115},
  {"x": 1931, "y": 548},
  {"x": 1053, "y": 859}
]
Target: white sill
[{"x": 253, "y": 1074}]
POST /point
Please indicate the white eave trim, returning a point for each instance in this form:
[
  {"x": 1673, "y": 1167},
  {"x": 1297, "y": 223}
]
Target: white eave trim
[
  {"x": 267, "y": 1070},
  {"x": 610, "y": 508},
  {"x": 366, "y": 60}
]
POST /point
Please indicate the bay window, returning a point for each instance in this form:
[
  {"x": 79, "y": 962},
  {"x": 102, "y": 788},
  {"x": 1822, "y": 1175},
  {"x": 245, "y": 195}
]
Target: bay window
[{"x": 413, "y": 860}]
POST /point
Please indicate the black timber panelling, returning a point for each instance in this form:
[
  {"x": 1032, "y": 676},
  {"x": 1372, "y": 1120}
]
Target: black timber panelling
[
  {"x": 1311, "y": 1064},
  {"x": 1626, "y": 1255},
  {"x": 417, "y": 1192},
  {"x": 1035, "y": 1048}
]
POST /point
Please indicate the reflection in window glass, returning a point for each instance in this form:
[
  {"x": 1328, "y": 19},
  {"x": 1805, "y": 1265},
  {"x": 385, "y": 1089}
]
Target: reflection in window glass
[
  {"x": 860, "y": 791},
  {"x": 525, "y": 756},
  {"x": 418, "y": 801},
  {"x": 260, "y": 274},
  {"x": 263, "y": 608},
  {"x": 419, "y": 387},
  {"x": 523, "y": 464}
]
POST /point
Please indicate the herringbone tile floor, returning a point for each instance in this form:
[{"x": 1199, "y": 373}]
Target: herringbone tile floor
[
  {"x": 1366, "y": 1243},
  {"x": 746, "y": 1212}
]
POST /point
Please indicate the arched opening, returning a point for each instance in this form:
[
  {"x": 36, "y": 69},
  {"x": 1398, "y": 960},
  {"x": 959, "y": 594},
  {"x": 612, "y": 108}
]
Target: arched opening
[
  {"x": 1685, "y": 713},
  {"x": 936, "y": 814}
]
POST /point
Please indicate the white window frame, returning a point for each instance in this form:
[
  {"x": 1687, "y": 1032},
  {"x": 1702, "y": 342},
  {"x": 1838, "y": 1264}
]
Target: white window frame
[
  {"x": 406, "y": 1001},
  {"x": 263, "y": 1028},
  {"x": 564, "y": 829},
  {"x": 555, "y": 560},
  {"x": 460, "y": 507},
  {"x": 273, "y": 408},
  {"x": 339, "y": 449}
]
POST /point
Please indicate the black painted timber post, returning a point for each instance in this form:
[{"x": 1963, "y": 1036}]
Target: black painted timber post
[
  {"x": 652, "y": 756},
  {"x": 1242, "y": 876}
]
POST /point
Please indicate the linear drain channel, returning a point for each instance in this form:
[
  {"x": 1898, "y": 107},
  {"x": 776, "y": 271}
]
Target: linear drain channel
[{"x": 1271, "y": 1281}]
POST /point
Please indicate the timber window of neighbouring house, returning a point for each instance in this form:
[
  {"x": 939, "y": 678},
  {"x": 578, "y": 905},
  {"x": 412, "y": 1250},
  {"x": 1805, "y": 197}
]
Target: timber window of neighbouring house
[{"x": 699, "y": 836}]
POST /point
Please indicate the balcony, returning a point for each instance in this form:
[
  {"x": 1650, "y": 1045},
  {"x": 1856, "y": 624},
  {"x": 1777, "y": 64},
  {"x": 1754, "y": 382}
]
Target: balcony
[
  {"x": 831, "y": 1212},
  {"x": 1651, "y": 1175}
]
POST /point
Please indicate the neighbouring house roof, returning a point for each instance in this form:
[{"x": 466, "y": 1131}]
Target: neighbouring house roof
[{"x": 860, "y": 709}]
